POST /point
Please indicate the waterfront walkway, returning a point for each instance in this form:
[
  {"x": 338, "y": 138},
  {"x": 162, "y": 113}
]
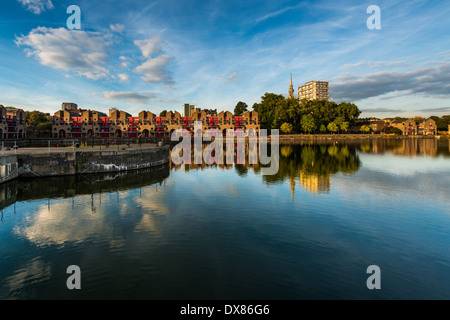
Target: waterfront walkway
[{"x": 111, "y": 147}]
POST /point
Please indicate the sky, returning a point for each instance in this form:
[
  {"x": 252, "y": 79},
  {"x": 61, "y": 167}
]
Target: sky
[{"x": 156, "y": 55}]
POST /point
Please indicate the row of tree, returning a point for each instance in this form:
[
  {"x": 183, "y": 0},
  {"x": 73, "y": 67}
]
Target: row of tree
[{"x": 287, "y": 114}]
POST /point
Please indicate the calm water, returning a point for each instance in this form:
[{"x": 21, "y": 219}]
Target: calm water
[{"x": 215, "y": 232}]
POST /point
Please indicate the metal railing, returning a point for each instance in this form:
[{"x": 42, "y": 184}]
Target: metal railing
[{"x": 82, "y": 142}]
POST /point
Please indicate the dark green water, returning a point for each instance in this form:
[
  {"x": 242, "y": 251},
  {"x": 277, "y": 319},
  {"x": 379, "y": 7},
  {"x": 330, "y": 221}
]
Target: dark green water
[{"x": 188, "y": 232}]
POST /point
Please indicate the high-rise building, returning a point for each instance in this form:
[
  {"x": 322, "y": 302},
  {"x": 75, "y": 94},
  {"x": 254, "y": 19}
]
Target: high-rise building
[
  {"x": 314, "y": 90},
  {"x": 186, "y": 112}
]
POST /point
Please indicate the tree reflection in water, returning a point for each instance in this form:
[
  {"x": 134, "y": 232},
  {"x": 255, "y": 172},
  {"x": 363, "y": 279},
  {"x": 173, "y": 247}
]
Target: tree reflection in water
[{"x": 313, "y": 165}]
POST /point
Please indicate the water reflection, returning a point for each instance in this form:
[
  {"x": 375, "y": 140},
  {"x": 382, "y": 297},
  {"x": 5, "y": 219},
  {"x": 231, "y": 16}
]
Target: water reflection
[
  {"x": 307, "y": 165},
  {"x": 225, "y": 231},
  {"x": 93, "y": 185},
  {"x": 32, "y": 273},
  {"x": 313, "y": 166},
  {"x": 408, "y": 147},
  {"x": 63, "y": 222}
]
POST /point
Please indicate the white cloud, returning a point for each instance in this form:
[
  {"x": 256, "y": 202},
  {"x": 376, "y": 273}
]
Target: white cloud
[
  {"x": 277, "y": 13},
  {"x": 376, "y": 64},
  {"x": 153, "y": 70},
  {"x": 81, "y": 52},
  {"x": 353, "y": 65},
  {"x": 149, "y": 46},
  {"x": 142, "y": 97},
  {"x": 123, "y": 77},
  {"x": 117, "y": 27},
  {"x": 125, "y": 62},
  {"x": 37, "y": 6},
  {"x": 230, "y": 77}
]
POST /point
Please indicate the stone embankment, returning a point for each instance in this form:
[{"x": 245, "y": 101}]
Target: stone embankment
[{"x": 74, "y": 162}]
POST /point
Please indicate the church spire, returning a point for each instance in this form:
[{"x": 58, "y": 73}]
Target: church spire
[
  {"x": 292, "y": 182},
  {"x": 291, "y": 89}
]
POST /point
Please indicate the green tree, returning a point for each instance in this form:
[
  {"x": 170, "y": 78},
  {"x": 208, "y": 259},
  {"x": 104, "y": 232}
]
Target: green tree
[
  {"x": 323, "y": 129},
  {"x": 365, "y": 129},
  {"x": 349, "y": 111},
  {"x": 390, "y": 130},
  {"x": 399, "y": 119},
  {"x": 267, "y": 107},
  {"x": 308, "y": 123},
  {"x": 44, "y": 126},
  {"x": 339, "y": 121},
  {"x": 344, "y": 126},
  {"x": 163, "y": 113},
  {"x": 286, "y": 127},
  {"x": 322, "y": 110},
  {"x": 35, "y": 117},
  {"x": 240, "y": 108},
  {"x": 289, "y": 112},
  {"x": 332, "y": 127}
]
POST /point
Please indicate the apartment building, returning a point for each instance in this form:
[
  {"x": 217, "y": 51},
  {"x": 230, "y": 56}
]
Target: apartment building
[
  {"x": 12, "y": 123},
  {"x": 413, "y": 127},
  {"x": 93, "y": 124},
  {"x": 378, "y": 125},
  {"x": 314, "y": 90}
]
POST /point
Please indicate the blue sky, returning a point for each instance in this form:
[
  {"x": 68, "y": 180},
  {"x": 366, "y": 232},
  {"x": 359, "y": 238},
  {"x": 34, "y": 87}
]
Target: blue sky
[{"x": 156, "y": 55}]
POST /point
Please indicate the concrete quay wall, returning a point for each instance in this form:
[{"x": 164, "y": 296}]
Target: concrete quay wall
[
  {"x": 9, "y": 168},
  {"x": 30, "y": 165}
]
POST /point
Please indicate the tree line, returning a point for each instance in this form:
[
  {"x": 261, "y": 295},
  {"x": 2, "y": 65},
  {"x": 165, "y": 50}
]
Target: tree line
[{"x": 308, "y": 116}]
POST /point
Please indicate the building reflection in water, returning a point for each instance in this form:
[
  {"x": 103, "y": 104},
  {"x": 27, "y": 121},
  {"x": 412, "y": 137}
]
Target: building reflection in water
[
  {"x": 311, "y": 166},
  {"x": 315, "y": 183},
  {"x": 410, "y": 147},
  {"x": 91, "y": 185},
  {"x": 242, "y": 159},
  {"x": 307, "y": 165}
]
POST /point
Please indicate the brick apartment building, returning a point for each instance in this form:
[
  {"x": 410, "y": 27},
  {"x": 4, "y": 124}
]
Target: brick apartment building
[
  {"x": 12, "y": 123},
  {"x": 77, "y": 123},
  {"x": 413, "y": 127}
]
